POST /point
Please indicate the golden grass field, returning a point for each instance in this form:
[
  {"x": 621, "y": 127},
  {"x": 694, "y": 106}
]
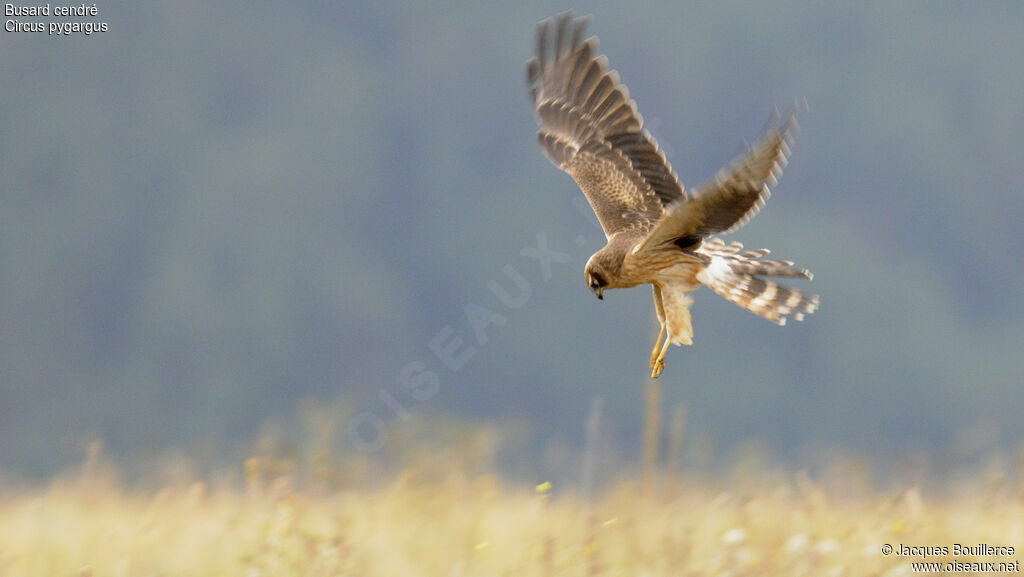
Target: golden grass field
[
  {"x": 443, "y": 513},
  {"x": 478, "y": 525}
]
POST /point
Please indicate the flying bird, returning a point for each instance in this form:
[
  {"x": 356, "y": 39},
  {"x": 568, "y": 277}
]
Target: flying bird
[{"x": 657, "y": 233}]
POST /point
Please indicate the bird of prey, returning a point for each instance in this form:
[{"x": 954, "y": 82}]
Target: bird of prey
[{"x": 657, "y": 233}]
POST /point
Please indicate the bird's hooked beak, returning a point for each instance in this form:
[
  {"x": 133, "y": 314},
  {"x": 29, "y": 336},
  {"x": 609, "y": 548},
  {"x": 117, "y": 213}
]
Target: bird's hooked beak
[{"x": 598, "y": 292}]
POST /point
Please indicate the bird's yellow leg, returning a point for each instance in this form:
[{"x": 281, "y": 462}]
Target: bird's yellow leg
[
  {"x": 659, "y": 363},
  {"x": 657, "y": 345}
]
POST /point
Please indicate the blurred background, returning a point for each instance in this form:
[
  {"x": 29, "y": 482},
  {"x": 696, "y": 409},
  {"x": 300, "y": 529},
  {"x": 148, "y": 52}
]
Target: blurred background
[{"x": 219, "y": 216}]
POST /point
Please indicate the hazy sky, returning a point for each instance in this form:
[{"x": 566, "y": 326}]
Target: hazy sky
[{"x": 213, "y": 212}]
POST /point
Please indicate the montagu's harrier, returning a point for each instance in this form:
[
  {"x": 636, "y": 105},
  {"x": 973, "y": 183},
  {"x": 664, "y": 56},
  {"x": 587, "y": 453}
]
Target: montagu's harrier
[{"x": 657, "y": 233}]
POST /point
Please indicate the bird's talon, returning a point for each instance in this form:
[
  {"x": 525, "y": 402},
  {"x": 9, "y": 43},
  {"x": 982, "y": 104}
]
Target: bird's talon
[
  {"x": 657, "y": 347},
  {"x": 656, "y": 368}
]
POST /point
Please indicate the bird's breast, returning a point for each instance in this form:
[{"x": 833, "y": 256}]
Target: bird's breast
[{"x": 670, "y": 266}]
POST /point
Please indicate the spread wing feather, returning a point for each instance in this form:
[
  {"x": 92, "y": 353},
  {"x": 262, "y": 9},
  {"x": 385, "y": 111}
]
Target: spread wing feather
[
  {"x": 734, "y": 195},
  {"x": 590, "y": 128}
]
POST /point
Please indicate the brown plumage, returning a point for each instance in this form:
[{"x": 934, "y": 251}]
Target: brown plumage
[{"x": 657, "y": 233}]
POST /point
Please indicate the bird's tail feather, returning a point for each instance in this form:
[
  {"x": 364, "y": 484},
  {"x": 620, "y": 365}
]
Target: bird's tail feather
[{"x": 737, "y": 276}]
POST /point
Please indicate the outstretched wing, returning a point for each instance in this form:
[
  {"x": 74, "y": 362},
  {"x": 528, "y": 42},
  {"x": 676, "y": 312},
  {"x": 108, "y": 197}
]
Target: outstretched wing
[
  {"x": 734, "y": 195},
  {"x": 591, "y": 129}
]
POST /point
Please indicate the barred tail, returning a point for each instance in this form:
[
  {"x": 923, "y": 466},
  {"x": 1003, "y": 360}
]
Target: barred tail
[{"x": 737, "y": 276}]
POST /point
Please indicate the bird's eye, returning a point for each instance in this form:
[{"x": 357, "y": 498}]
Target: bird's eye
[
  {"x": 596, "y": 282},
  {"x": 687, "y": 241}
]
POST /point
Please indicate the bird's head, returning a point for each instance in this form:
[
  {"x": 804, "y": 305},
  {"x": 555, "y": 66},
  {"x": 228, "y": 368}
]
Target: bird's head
[
  {"x": 598, "y": 275},
  {"x": 596, "y": 283}
]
